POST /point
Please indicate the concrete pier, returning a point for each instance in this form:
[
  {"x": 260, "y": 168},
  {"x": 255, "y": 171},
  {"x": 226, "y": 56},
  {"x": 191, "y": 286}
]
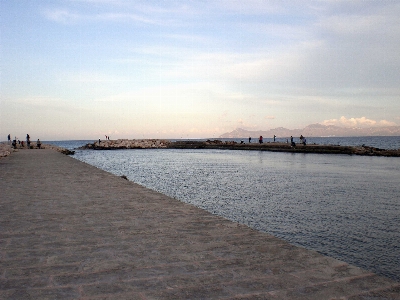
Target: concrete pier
[{"x": 71, "y": 231}]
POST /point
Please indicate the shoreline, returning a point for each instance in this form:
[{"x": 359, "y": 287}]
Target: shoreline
[{"x": 232, "y": 145}]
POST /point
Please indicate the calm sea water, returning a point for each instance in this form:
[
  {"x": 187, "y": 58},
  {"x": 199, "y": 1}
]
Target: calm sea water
[{"x": 347, "y": 207}]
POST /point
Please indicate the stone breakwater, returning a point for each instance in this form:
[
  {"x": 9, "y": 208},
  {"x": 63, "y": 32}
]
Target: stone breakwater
[
  {"x": 232, "y": 145},
  {"x": 6, "y": 149},
  {"x": 286, "y": 147},
  {"x": 127, "y": 144}
]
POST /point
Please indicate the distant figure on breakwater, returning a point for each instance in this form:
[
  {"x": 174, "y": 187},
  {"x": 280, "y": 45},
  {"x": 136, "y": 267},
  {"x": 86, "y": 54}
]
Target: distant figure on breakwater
[
  {"x": 249, "y": 139},
  {"x": 293, "y": 144},
  {"x": 38, "y": 143},
  {"x": 9, "y": 138},
  {"x": 261, "y": 139},
  {"x": 274, "y": 137},
  {"x": 28, "y": 141}
]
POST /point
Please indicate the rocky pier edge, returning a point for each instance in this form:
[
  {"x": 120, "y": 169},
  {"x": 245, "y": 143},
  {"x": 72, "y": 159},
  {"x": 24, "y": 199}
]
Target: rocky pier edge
[
  {"x": 286, "y": 147},
  {"x": 232, "y": 145},
  {"x": 126, "y": 144}
]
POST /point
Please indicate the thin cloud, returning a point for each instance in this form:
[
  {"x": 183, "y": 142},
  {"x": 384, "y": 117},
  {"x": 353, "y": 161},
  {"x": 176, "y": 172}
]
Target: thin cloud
[
  {"x": 253, "y": 7},
  {"x": 67, "y": 17},
  {"x": 138, "y": 12},
  {"x": 357, "y": 122},
  {"x": 245, "y": 125},
  {"x": 61, "y": 16},
  {"x": 42, "y": 103}
]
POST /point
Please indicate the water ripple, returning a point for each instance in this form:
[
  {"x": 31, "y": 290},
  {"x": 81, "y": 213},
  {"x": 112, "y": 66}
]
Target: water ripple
[{"x": 346, "y": 207}]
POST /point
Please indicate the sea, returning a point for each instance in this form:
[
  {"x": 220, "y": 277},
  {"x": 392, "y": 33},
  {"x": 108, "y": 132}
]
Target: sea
[{"x": 343, "y": 206}]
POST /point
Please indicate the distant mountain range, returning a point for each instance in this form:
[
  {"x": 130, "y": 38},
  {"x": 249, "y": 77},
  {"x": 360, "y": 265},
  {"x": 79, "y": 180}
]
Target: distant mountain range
[{"x": 315, "y": 130}]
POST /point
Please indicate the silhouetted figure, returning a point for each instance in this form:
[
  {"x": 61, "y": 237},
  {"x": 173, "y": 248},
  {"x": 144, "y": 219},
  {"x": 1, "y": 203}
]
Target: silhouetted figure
[
  {"x": 260, "y": 139},
  {"x": 38, "y": 143}
]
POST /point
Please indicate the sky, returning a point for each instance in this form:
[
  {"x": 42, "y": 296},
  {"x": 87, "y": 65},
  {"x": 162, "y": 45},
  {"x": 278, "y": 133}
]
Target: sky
[{"x": 83, "y": 69}]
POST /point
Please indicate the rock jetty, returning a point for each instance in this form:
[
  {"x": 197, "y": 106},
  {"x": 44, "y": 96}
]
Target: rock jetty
[
  {"x": 232, "y": 145},
  {"x": 286, "y": 147},
  {"x": 126, "y": 144}
]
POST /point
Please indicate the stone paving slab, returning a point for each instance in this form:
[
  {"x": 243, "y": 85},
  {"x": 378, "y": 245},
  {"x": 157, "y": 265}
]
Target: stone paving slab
[{"x": 71, "y": 231}]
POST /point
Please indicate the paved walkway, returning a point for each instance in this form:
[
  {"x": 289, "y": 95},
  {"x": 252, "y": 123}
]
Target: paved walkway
[{"x": 71, "y": 231}]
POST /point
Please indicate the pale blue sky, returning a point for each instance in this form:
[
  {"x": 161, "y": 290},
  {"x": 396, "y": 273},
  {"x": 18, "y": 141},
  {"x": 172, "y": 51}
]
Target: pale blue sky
[{"x": 82, "y": 69}]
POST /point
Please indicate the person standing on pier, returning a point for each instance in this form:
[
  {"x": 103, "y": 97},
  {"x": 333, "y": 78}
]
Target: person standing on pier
[
  {"x": 261, "y": 139},
  {"x": 9, "y": 138}
]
